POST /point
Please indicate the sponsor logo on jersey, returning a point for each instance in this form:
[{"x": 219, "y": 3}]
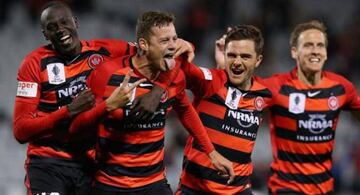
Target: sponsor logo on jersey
[
  {"x": 94, "y": 60},
  {"x": 316, "y": 124},
  {"x": 244, "y": 118},
  {"x": 74, "y": 88},
  {"x": 297, "y": 103},
  {"x": 56, "y": 73},
  {"x": 27, "y": 89},
  {"x": 164, "y": 96},
  {"x": 259, "y": 103},
  {"x": 233, "y": 97},
  {"x": 313, "y": 94},
  {"x": 333, "y": 103}
]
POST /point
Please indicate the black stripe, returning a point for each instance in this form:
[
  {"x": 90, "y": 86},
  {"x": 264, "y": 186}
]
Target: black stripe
[
  {"x": 57, "y": 59},
  {"x": 48, "y": 107},
  {"x": 336, "y": 90},
  {"x": 305, "y": 179},
  {"x": 115, "y": 80},
  {"x": 265, "y": 93},
  {"x": 283, "y": 111},
  {"x": 60, "y": 161},
  {"x": 305, "y": 136},
  {"x": 304, "y": 158},
  {"x": 128, "y": 124},
  {"x": 237, "y": 131},
  {"x": 143, "y": 171},
  {"x": 216, "y": 99},
  {"x": 118, "y": 147},
  {"x": 202, "y": 172},
  {"x": 230, "y": 154},
  {"x": 68, "y": 147}
]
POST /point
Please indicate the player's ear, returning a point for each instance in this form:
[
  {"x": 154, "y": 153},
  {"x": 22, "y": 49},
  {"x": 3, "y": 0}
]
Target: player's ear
[
  {"x": 258, "y": 60},
  {"x": 45, "y": 35},
  {"x": 143, "y": 44},
  {"x": 76, "y": 21},
  {"x": 294, "y": 52}
]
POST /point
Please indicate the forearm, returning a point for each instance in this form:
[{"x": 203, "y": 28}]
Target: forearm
[
  {"x": 28, "y": 125},
  {"x": 89, "y": 119},
  {"x": 192, "y": 123}
]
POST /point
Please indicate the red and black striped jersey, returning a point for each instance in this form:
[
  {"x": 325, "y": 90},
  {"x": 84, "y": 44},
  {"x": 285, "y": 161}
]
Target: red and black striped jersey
[
  {"x": 303, "y": 124},
  {"x": 231, "y": 117},
  {"x": 131, "y": 153},
  {"x": 46, "y": 84}
]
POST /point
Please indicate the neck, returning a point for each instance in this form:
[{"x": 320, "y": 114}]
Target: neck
[
  {"x": 245, "y": 85},
  {"x": 142, "y": 64},
  {"x": 310, "y": 78}
]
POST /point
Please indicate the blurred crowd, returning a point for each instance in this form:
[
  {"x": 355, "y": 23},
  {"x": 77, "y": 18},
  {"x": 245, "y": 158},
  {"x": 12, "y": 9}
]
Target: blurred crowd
[{"x": 200, "y": 22}]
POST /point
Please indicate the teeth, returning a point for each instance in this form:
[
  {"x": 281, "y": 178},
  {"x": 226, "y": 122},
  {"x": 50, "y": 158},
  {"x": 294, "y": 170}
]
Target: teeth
[
  {"x": 314, "y": 60},
  {"x": 64, "y": 37}
]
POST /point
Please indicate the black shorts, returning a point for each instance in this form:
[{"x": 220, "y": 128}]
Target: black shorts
[
  {"x": 49, "y": 176},
  {"x": 159, "y": 188},
  {"x": 188, "y": 191}
]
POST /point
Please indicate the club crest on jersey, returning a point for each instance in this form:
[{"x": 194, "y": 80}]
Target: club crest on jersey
[
  {"x": 297, "y": 103},
  {"x": 95, "y": 60},
  {"x": 56, "y": 73},
  {"x": 259, "y": 103},
  {"x": 233, "y": 97},
  {"x": 164, "y": 97},
  {"x": 333, "y": 103}
]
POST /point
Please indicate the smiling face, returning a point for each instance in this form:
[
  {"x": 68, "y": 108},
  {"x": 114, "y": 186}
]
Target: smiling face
[
  {"x": 60, "y": 27},
  {"x": 161, "y": 46},
  {"x": 241, "y": 60},
  {"x": 310, "y": 51}
]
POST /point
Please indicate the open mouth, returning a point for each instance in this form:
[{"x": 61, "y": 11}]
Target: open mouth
[
  {"x": 314, "y": 60},
  {"x": 65, "y": 40},
  {"x": 237, "y": 71},
  {"x": 169, "y": 60}
]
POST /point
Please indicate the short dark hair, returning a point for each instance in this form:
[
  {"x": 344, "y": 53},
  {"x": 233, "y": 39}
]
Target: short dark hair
[
  {"x": 246, "y": 32},
  {"x": 150, "y": 19},
  {"x": 54, "y": 4},
  {"x": 313, "y": 24}
]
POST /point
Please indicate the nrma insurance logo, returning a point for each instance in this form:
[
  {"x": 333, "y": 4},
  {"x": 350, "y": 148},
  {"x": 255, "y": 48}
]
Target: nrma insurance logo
[
  {"x": 316, "y": 124},
  {"x": 244, "y": 118}
]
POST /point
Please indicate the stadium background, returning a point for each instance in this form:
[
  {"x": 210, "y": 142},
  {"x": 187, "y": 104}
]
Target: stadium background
[{"x": 201, "y": 22}]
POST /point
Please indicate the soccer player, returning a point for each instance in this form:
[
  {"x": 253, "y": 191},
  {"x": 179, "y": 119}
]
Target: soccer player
[
  {"x": 307, "y": 103},
  {"x": 230, "y": 103},
  {"x": 131, "y": 152},
  {"x": 48, "y": 97}
]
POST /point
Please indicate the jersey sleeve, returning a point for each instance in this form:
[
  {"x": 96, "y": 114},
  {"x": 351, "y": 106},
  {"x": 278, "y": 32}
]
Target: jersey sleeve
[
  {"x": 28, "y": 122},
  {"x": 202, "y": 81},
  {"x": 352, "y": 96},
  {"x": 117, "y": 47},
  {"x": 191, "y": 121}
]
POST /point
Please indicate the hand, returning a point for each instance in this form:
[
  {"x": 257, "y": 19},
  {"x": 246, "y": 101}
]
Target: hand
[
  {"x": 184, "y": 47},
  {"x": 144, "y": 107},
  {"x": 122, "y": 94},
  {"x": 220, "y": 52},
  {"x": 223, "y": 165},
  {"x": 82, "y": 102}
]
